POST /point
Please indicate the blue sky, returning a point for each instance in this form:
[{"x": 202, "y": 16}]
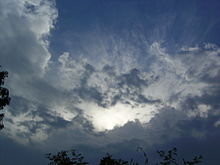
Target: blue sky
[{"x": 110, "y": 76}]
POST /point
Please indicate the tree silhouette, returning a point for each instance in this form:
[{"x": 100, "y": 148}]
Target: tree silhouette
[
  {"x": 108, "y": 160},
  {"x": 4, "y": 96},
  {"x": 168, "y": 158},
  {"x": 66, "y": 158}
]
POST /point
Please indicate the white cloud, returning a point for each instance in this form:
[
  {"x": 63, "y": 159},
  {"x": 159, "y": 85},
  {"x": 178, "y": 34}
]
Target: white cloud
[
  {"x": 169, "y": 81},
  {"x": 201, "y": 111},
  {"x": 23, "y": 42},
  {"x": 25, "y": 26},
  {"x": 115, "y": 84},
  {"x": 19, "y": 128},
  {"x": 116, "y": 116},
  {"x": 217, "y": 123}
]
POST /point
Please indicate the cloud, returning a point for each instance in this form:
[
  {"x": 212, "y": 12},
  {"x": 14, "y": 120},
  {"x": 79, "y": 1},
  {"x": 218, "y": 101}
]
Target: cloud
[
  {"x": 25, "y": 26},
  {"x": 114, "y": 93},
  {"x": 106, "y": 95}
]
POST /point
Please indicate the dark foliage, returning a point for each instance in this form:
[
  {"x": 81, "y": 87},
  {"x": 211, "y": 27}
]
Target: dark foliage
[
  {"x": 66, "y": 158},
  {"x": 108, "y": 160},
  {"x": 168, "y": 158},
  {"x": 4, "y": 96}
]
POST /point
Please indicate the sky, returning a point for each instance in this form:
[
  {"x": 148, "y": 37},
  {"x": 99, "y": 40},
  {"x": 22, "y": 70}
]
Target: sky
[{"x": 110, "y": 76}]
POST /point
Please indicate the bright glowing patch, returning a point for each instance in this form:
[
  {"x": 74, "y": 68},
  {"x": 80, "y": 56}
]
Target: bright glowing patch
[{"x": 116, "y": 116}]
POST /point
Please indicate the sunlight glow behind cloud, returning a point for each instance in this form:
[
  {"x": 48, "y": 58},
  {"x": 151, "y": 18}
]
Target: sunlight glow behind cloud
[{"x": 116, "y": 116}]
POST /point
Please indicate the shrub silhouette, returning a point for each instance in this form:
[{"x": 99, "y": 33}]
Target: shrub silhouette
[
  {"x": 4, "y": 96},
  {"x": 168, "y": 158}
]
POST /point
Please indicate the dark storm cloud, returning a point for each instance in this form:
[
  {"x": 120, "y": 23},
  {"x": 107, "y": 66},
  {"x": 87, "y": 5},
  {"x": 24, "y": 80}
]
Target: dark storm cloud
[
  {"x": 168, "y": 129},
  {"x": 16, "y": 153}
]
